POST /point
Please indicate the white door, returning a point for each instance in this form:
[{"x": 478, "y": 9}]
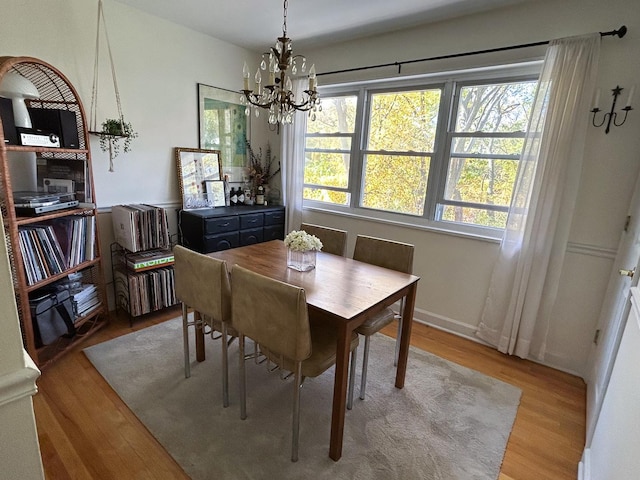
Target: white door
[{"x": 615, "y": 310}]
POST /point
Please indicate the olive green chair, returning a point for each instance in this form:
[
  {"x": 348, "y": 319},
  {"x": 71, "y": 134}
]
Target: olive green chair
[
  {"x": 274, "y": 315},
  {"x": 202, "y": 284},
  {"x": 388, "y": 254},
  {"x": 333, "y": 240}
]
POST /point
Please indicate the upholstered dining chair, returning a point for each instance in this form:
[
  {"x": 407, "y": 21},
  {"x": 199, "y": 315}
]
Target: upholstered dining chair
[
  {"x": 202, "y": 284},
  {"x": 274, "y": 315},
  {"x": 388, "y": 254},
  {"x": 333, "y": 240}
]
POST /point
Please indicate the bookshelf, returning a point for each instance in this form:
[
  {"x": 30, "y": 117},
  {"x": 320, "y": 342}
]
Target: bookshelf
[
  {"x": 142, "y": 260},
  {"x": 46, "y": 250}
]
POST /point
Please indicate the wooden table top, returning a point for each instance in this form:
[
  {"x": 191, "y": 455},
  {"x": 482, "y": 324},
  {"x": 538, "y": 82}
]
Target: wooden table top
[{"x": 339, "y": 286}]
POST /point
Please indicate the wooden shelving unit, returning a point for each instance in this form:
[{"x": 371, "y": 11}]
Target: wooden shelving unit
[{"x": 55, "y": 92}]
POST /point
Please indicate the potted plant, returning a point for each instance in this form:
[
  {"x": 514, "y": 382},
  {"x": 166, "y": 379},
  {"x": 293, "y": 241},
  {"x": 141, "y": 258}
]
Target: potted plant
[{"x": 114, "y": 130}]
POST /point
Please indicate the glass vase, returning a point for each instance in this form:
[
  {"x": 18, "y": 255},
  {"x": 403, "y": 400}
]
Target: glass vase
[{"x": 301, "y": 261}]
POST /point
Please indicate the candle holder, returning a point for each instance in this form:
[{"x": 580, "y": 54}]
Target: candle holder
[{"x": 611, "y": 117}]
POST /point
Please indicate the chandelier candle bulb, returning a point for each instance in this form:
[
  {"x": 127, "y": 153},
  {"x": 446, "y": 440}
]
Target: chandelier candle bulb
[
  {"x": 245, "y": 76},
  {"x": 596, "y": 101},
  {"x": 631, "y": 92}
]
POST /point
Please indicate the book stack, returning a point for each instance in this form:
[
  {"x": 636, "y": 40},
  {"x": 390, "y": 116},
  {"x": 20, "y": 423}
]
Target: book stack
[
  {"x": 141, "y": 261},
  {"x": 145, "y": 292},
  {"x": 140, "y": 227},
  {"x": 85, "y": 300},
  {"x": 51, "y": 247}
]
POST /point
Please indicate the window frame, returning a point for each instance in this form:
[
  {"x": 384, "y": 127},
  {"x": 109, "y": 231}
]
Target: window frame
[{"x": 450, "y": 83}]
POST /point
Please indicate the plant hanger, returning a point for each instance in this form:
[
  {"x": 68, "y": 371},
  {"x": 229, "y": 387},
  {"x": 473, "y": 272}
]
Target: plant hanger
[{"x": 112, "y": 130}]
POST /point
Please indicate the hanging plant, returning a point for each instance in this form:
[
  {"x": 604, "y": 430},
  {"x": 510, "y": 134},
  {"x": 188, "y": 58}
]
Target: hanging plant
[{"x": 114, "y": 130}]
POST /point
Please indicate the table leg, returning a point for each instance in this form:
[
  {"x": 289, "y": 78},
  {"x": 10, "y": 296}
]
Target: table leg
[
  {"x": 340, "y": 392},
  {"x": 199, "y": 332},
  {"x": 407, "y": 315}
]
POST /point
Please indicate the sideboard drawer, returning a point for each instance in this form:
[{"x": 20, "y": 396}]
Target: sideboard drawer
[
  {"x": 274, "y": 232},
  {"x": 249, "y": 237},
  {"x": 223, "y": 241},
  {"x": 274, "y": 218},
  {"x": 252, "y": 220},
  {"x": 221, "y": 224}
]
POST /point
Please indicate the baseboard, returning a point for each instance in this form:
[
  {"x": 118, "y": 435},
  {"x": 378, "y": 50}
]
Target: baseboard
[
  {"x": 467, "y": 331},
  {"x": 446, "y": 324},
  {"x": 584, "y": 467},
  {"x": 20, "y": 383}
]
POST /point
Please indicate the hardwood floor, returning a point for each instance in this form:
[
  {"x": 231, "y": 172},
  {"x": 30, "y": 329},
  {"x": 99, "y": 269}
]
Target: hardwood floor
[{"x": 87, "y": 432}]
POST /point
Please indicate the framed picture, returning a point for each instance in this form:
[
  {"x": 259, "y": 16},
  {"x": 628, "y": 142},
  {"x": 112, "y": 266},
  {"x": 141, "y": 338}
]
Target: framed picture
[
  {"x": 196, "y": 167},
  {"x": 214, "y": 189},
  {"x": 223, "y": 126}
]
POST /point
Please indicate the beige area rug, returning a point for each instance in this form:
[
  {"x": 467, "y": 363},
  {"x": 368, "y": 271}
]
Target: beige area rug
[{"x": 447, "y": 423}]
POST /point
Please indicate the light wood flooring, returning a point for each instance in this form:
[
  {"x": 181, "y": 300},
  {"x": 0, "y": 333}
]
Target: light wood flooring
[{"x": 87, "y": 432}]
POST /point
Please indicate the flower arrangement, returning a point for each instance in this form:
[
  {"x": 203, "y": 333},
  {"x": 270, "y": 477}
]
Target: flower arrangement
[
  {"x": 301, "y": 241},
  {"x": 259, "y": 169}
]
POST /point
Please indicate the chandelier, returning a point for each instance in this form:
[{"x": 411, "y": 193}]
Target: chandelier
[{"x": 277, "y": 94}]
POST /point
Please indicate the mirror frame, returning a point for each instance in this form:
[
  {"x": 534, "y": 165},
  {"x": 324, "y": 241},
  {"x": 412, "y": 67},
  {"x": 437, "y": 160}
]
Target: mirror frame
[{"x": 195, "y": 167}]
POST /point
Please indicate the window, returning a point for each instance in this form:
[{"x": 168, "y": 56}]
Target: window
[{"x": 438, "y": 153}]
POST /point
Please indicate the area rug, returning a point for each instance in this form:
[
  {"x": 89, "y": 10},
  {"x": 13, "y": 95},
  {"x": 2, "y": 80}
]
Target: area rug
[{"x": 447, "y": 423}]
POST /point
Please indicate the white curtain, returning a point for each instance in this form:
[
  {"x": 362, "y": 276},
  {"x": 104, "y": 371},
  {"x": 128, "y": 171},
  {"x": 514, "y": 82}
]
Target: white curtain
[
  {"x": 524, "y": 283},
  {"x": 292, "y": 154}
]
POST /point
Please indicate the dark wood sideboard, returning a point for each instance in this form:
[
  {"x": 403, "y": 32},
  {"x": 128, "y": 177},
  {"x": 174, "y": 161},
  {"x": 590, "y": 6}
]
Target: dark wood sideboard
[{"x": 215, "y": 229}]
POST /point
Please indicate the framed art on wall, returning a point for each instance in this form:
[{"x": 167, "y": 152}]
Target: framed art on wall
[{"x": 223, "y": 126}]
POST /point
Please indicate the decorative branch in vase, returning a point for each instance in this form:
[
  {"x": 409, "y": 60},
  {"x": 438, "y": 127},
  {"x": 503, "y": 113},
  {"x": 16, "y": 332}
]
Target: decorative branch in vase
[{"x": 260, "y": 170}]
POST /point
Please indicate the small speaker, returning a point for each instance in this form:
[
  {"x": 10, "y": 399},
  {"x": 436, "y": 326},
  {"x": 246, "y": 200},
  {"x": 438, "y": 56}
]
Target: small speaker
[
  {"x": 8, "y": 122},
  {"x": 60, "y": 122}
]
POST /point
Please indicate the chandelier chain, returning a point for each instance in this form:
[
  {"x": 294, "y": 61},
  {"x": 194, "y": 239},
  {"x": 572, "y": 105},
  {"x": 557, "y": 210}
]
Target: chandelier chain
[{"x": 284, "y": 23}]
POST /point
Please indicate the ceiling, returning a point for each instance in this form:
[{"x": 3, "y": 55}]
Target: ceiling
[{"x": 255, "y": 24}]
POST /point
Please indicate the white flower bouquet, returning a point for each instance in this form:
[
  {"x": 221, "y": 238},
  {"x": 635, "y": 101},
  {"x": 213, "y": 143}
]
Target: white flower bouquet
[{"x": 301, "y": 241}]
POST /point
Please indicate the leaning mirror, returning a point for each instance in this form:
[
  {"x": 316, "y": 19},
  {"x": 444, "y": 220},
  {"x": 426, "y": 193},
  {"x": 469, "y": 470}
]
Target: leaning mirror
[{"x": 196, "y": 169}]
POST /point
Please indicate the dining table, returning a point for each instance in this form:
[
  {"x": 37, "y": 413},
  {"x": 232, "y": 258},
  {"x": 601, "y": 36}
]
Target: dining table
[{"x": 339, "y": 290}]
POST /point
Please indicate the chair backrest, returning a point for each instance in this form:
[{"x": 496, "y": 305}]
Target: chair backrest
[
  {"x": 333, "y": 240},
  {"x": 384, "y": 253},
  {"x": 272, "y": 313},
  {"x": 202, "y": 283}
]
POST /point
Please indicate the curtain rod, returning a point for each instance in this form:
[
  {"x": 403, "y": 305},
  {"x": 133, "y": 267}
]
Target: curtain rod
[{"x": 621, "y": 32}]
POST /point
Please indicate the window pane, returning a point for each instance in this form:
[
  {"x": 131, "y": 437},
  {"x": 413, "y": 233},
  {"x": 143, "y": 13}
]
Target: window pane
[
  {"x": 488, "y": 146},
  {"x": 327, "y": 196},
  {"x": 330, "y": 169},
  {"x": 403, "y": 121},
  {"x": 474, "y": 216},
  {"x": 495, "y": 108},
  {"x": 338, "y": 115},
  {"x": 395, "y": 183},
  {"x": 329, "y": 143},
  {"x": 476, "y": 180}
]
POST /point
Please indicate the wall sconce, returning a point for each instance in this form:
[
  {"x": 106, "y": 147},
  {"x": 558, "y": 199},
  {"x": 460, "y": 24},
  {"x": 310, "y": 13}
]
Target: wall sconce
[{"x": 612, "y": 115}]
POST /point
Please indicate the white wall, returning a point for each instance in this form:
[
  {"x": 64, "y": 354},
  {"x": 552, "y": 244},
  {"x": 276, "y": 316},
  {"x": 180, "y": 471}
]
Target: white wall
[
  {"x": 158, "y": 65},
  {"x": 455, "y": 271},
  {"x": 20, "y": 454}
]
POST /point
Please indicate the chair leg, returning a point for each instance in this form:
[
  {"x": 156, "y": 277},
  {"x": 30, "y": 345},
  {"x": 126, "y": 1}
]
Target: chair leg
[
  {"x": 243, "y": 379},
  {"x": 365, "y": 361},
  {"x": 297, "y": 385},
  {"x": 225, "y": 367},
  {"x": 397, "y": 352},
  {"x": 352, "y": 378},
  {"x": 185, "y": 335}
]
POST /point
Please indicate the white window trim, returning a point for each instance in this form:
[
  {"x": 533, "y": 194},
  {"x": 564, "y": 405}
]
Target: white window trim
[{"x": 499, "y": 72}]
